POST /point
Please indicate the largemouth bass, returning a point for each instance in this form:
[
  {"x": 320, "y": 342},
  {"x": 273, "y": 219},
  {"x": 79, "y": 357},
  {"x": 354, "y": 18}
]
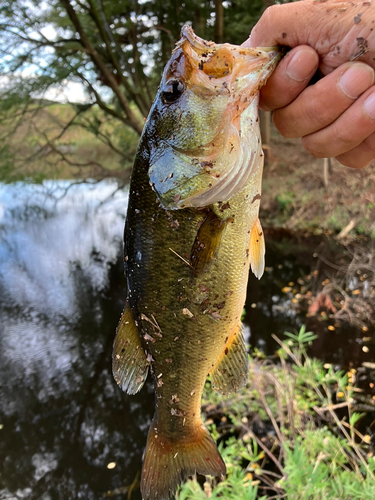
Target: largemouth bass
[{"x": 191, "y": 234}]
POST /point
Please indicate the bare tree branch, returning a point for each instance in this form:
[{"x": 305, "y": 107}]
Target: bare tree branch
[{"x": 99, "y": 63}]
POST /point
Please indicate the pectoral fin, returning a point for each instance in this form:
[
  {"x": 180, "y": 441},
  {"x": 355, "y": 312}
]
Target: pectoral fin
[
  {"x": 207, "y": 242},
  {"x": 231, "y": 372},
  {"x": 257, "y": 249},
  {"x": 129, "y": 363}
]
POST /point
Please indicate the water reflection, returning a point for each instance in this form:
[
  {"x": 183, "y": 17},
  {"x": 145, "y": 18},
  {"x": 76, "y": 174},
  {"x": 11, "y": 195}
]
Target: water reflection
[
  {"x": 62, "y": 419},
  {"x": 62, "y": 291},
  {"x": 41, "y": 240}
]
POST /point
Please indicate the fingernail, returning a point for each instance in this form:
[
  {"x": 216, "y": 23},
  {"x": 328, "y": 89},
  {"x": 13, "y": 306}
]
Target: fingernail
[
  {"x": 302, "y": 65},
  {"x": 356, "y": 80},
  {"x": 369, "y": 105}
]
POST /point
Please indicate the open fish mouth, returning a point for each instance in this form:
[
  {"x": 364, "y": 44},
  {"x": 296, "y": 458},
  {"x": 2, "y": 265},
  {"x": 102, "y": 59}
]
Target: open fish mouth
[
  {"x": 229, "y": 65},
  {"x": 210, "y": 140}
]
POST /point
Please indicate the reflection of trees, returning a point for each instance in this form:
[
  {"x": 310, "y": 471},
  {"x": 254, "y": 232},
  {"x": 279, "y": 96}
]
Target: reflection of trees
[{"x": 90, "y": 424}]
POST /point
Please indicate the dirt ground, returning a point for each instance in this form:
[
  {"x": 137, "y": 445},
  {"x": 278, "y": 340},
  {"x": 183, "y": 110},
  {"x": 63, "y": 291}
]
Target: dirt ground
[{"x": 296, "y": 195}]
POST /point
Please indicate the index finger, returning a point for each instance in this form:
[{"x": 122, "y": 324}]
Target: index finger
[
  {"x": 292, "y": 23},
  {"x": 330, "y": 28}
]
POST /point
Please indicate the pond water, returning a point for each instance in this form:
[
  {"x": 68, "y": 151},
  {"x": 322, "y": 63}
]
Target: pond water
[{"x": 62, "y": 290}]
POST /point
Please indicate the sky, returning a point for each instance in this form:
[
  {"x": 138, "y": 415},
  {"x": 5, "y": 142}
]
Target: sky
[
  {"x": 73, "y": 92},
  {"x": 69, "y": 92}
]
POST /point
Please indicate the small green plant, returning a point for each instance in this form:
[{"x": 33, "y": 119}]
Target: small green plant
[
  {"x": 317, "y": 468},
  {"x": 300, "y": 339},
  {"x": 285, "y": 200}
]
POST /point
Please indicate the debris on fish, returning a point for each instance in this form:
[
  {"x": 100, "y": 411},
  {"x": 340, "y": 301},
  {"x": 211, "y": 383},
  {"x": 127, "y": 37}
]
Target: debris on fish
[{"x": 197, "y": 183}]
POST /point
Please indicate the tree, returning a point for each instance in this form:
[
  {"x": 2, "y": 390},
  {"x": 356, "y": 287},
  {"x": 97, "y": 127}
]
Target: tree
[{"x": 116, "y": 50}]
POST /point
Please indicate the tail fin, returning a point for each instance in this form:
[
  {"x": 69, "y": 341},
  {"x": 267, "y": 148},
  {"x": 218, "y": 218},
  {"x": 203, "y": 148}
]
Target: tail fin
[{"x": 168, "y": 463}]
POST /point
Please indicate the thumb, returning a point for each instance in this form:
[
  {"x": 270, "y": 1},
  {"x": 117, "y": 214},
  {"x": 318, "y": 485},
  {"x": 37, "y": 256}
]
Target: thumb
[
  {"x": 285, "y": 24},
  {"x": 290, "y": 78}
]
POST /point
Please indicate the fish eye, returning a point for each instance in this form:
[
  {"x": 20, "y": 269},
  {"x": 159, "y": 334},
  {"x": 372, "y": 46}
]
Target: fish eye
[{"x": 172, "y": 91}]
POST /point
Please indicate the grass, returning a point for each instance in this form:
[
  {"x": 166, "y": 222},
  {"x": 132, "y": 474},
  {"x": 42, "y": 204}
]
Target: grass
[{"x": 292, "y": 433}]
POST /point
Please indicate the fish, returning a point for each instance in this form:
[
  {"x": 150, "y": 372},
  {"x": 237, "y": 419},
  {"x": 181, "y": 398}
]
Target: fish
[{"x": 191, "y": 234}]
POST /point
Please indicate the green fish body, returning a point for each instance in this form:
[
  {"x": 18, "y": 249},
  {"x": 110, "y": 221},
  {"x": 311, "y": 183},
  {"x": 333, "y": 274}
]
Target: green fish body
[{"x": 191, "y": 234}]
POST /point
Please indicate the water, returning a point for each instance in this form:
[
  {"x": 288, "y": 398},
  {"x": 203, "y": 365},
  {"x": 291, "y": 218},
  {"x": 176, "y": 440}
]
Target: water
[{"x": 62, "y": 418}]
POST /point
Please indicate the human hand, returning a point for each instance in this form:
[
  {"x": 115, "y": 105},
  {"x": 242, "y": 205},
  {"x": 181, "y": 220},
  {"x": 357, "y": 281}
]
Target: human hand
[{"x": 336, "y": 116}]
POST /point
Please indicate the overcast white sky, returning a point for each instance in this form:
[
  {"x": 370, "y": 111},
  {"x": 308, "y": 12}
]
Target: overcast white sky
[
  {"x": 67, "y": 92},
  {"x": 70, "y": 92}
]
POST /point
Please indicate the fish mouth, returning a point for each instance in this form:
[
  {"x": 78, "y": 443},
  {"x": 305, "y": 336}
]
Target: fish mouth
[
  {"x": 225, "y": 68},
  {"x": 220, "y": 165},
  {"x": 200, "y": 44}
]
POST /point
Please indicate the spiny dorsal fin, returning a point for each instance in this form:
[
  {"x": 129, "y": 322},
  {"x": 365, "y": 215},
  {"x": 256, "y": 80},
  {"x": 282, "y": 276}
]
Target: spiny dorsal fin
[
  {"x": 167, "y": 463},
  {"x": 129, "y": 363},
  {"x": 257, "y": 249},
  {"x": 231, "y": 372},
  {"x": 207, "y": 242}
]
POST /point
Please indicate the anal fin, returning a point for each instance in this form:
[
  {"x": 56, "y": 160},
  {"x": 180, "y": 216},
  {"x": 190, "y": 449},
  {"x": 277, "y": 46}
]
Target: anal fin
[
  {"x": 129, "y": 363},
  {"x": 231, "y": 372},
  {"x": 257, "y": 249}
]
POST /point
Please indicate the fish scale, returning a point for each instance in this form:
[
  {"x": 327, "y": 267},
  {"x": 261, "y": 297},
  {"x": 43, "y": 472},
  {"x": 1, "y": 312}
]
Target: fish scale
[{"x": 192, "y": 232}]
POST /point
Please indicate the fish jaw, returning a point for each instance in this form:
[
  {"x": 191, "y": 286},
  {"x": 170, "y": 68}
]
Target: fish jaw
[{"x": 201, "y": 120}]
